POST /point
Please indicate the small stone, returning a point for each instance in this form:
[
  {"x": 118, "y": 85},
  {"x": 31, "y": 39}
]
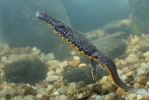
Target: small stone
[
  {"x": 79, "y": 95},
  {"x": 39, "y": 96},
  {"x": 147, "y": 83},
  {"x": 52, "y": 78},
  {"x": 62, "y": 97},
  {"x": 45, "y": 97},
  {"x": 74, "y": 62},
  {"x": 132, "y": 59},
  {"x": 143, "y": 81},
  {"x": 72, "y": 53},
  {"x": 109, "y": 96},
  {"x": 53, "y": 63},
  {"x": 140, "y": 71},
  {"x": 135, "y": 40},
  {"x": 106, "y": 85},
  {"x": 56, "y": 93},
  {"x": 147, "y": 58},
  {"x": 73, "y": 85},
  {"x": 82, "y": 65},
  {"x": 139, "y": 97},
  {"x": 124, "y": 77},
  {"x": 121, "y": 92},
  {"x": 103, "y": 79},
  {"x": 120, "y": 72},
  {"x": 141, "y": 91},
  {"x": 146, "y": 53},
  {"x": 30, "y": 91},
  {"x": 62, "y": 90},
  {"x": 49, "y": 56},
  {"x": 129, "y": 73},
  {"x": 132, "y": 96},
  {"x": 80, "y": 84},
  {"x": 98, "y": 97},
  {"x": 70, "y": 91},
  {"x": 59, "y": 71}
]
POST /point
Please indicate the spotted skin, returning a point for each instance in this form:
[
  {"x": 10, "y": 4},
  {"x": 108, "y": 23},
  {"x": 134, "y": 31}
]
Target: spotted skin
[{"x": 84, "y": 46}]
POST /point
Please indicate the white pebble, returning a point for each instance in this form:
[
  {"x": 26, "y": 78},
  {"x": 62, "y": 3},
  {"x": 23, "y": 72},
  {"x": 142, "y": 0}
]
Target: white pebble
[
  {"x": 139, "y": 97},
  {"x": 39, "y": 96},
  {"x": 131, "y": 59},
  {"x": 79, "y": 95},
  {"x": 50, "y": 73},
  {"x": 140, "y": 71},
  {"x": 120, "y": 72},
  {"x": 97, "y": 97},
  {"x": 124, "y": 77},
  {"x": 56, "y": 93},
  {"x": 73, "y": 85},
  {"x": 146, "y": 53},
  {"x": 141, "y": 91},
  {"x": 147, "y": 83}
]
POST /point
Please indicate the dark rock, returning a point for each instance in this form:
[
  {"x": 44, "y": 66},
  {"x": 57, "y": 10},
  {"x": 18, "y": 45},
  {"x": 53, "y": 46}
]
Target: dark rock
[
  {"x": 116, "y": 26},
  {"x": 110, "y": 47},
  {"x": 144, "y": 49},
  {"x": 26, "y": 71},
  {"x": 79, "y": 74},
  {"x": 8, "y": 96}
]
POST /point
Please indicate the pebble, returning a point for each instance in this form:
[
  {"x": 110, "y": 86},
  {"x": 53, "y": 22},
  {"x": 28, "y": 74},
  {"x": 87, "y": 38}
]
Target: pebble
[
  {"x": 135, "y": 40},
  {"x": 80, "y": 84},
  {"x": 132, "y": 59},
  {"x": 73, "y": 85},
  {"x": 124, "y": 77},
  {"x": 53, "y": 63},
  {"x": 49, "y": 56},
  {"x": 139, "y": 97},
  {"x": 80, "y": 95},
  {"x": 146, "y": 53},
  {"x": 59, "y": 71},
  {"x": 140, "y": 71},
  {"x": 145, "y": 65},
  {"x": 56, "y": 93},
  {"x": 104, "y": 78},
  {"x": 74, "y": 62},
  {"x": 109, "y": 96},
  {"x": 147, "y": 83},
  {"x": 52, "y": 78},
  {"x": 82, "y": 65},
  {"x": 147, "y": 58},
  {"x": 62, "y": 97},
  {"x": 120, "y": 72},
  {"x": 98, "y": 97},
  {"x": 141, "y": 91},
  {"x": 129, "y": 73}
]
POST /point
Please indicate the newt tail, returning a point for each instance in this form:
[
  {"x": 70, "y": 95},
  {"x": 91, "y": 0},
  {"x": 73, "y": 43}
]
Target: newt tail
[{"x": 84, "y": 46}]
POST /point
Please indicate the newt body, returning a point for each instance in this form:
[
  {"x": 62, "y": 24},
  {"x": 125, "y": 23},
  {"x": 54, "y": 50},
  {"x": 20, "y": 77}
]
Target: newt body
[{"x": 84, "y": 46}]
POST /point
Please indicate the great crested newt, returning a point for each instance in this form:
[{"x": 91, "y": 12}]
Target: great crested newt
[{"x": 84, "y": 46}]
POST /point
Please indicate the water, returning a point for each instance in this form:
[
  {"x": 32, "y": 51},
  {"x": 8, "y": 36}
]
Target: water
[{"x": 119, "y": 29}]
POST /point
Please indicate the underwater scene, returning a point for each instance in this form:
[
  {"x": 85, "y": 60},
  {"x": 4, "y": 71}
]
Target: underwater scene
[{"x": 74, "y": 50}]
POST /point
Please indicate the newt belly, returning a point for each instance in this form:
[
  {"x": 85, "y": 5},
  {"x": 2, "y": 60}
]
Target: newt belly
[{"x": 84, "y": 46}]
